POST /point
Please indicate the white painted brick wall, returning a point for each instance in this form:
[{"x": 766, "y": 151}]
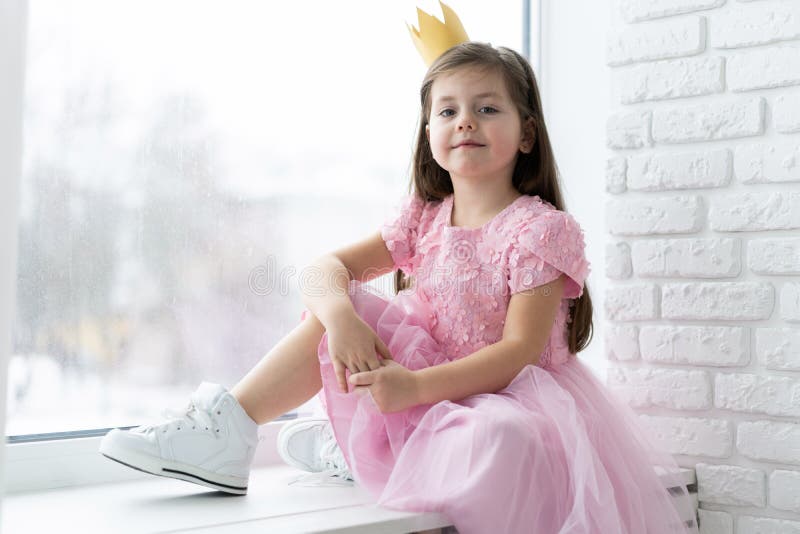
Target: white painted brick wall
[
  {"x": 672, "y": 388},
  {"x": 670, "y": 79},
  {"x": 715, "y": 522},
  {"x": 762, "y": 525},
  {"x": 692, "y": 435},
  {"x": 618, "y": 260},
  {"x": 687, "y": 258},
  {"x": 674, "y": 37},
  {"x": 776, "y": 67},
  {"x": 657, "y": 215},
  {"x": 703, "y": 211},
  {"x": 730, "y": 484},
  {"x": 778, "y": 349},
  {"x": 787, "y": 113},
  {"x": 763, "y": 163},
  {"x": 769, "y": 440},
  {"x": 774, "y": 256},
  {"x": 782, "y": 488},
  {"x": 754, "y": 25},
  {"x": 715, "y": 346},
  {"x": 684, "y": 170}
]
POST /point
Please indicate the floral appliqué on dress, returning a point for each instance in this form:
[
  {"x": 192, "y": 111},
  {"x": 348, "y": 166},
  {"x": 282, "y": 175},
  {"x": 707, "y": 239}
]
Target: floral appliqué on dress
[{"x": 467, "y": 275}]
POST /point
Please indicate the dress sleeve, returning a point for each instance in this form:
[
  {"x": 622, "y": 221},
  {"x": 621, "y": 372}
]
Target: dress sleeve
[
  {"x": 399, "y": 232},
  {"x": 544, "y": 248}
]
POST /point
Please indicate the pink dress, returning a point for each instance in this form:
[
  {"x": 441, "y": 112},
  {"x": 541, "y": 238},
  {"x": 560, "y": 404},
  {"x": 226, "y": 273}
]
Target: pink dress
[{"x": 553, "y": 452}]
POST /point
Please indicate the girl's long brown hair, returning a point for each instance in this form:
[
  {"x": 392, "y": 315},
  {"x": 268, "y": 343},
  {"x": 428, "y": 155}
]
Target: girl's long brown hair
[{"x": 535, "y": 173}]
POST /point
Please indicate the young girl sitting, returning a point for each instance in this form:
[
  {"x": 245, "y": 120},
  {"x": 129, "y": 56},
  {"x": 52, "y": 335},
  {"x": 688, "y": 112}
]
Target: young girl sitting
[{"x": 463, "y": 394}]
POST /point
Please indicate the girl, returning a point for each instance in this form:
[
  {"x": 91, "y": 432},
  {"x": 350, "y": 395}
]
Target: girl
[{"x": 463, "y": 394}]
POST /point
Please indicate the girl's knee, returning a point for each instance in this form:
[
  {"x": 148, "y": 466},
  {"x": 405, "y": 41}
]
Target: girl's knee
[{"x": 311, "y": 319}]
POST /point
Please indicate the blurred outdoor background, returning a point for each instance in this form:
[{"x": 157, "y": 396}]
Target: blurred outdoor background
[{"x": 184, "y": 162}]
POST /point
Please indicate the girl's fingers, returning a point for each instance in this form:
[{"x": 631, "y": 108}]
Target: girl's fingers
[
  {"x": 340, "y": 374},
  {"x": 383, "y": 349}
]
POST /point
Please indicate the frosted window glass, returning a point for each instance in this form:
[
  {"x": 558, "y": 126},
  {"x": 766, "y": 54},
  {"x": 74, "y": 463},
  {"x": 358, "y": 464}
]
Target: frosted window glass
[{"x": 183, "y": 163}]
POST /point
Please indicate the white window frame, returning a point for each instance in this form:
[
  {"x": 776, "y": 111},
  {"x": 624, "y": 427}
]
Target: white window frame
[
  {"x": 49, "y": 461},
  {"x": 13, "y": 37}
]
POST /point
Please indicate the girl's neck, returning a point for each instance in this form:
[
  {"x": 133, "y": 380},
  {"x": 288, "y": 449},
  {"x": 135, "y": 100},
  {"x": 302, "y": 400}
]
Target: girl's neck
[{"x": 473, "y": 207}]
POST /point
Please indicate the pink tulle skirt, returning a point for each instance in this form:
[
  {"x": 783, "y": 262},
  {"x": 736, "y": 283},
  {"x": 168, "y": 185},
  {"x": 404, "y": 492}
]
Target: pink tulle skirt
[{"x": 553, "y": 453}]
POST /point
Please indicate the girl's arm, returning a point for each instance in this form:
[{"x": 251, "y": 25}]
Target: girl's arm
[
  {"x": 529, "y": 320},
  {"x": 326, "y": 294}
]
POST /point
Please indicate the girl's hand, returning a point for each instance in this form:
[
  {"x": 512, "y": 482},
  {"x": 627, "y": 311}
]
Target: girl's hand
[
  {"x": 393, "y": 387},
  {"x": 352, "y": 345}
]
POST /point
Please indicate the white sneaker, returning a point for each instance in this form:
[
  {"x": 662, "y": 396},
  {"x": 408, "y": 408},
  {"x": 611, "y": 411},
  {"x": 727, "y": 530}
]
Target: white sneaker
[
  {"x": 309, "y": 444},
  {"x": 211, "y": 442}
]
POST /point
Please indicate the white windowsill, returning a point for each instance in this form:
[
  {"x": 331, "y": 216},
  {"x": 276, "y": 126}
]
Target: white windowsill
[
  {"x": 69, "y": 486},
  {"x": 161, "y": 505},
  {"x": 82, "y": 491}
]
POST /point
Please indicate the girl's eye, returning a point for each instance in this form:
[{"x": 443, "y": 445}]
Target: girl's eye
[{"x": 485, "y": 109}]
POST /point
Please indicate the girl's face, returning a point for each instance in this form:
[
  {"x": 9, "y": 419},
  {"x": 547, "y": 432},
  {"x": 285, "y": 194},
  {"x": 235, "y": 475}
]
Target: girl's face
[{"x": 474, "y": 129}]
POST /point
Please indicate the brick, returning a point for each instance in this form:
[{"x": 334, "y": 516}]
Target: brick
[
  {"x": 769, "y": 441},
  {"x": 741, "y": 301},
  {"x": 686, "y": 170},
  {"x": 639, "y": 10},
  {"x": 790, "y": 302},
  {"x": 616, "y": 169},
  {"x": 693, "y": 436},
  {"x": 753, "y": 212},
  {"x": 729, "y": 484},
  {"x": 784, "y": 490},
  {"x": 713, "y": 522},
  {"x": 719, "y": 346},
  {"x": 675, "y": 78},
  {"x": 774, "y": 256},
  {"x": 618, "y": 260},
  {"x": 622, "y": 342},
  {"x": 765, "y": 525},
  {"x": 631, "y": 302},
  {"x": 751, "y": 25},
  {"x": 762, "y": 163},
  {"x": 687, "y": 258},
  {"x": 778, "y": 348},
  {"x": 774, "y": 66},
  {"x": 628, "y": 129},
  {"x": 786, "y": 113},
  {"x": 669, "y": 388},
  {"x": 727, "y": 119},
  {"x": 770, "y": 395},
  {"x": 685, "y": 36},
  {"x": 662, "y": 215}
]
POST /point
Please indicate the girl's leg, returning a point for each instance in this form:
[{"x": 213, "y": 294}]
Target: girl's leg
[{"x": 286, "y": 377}]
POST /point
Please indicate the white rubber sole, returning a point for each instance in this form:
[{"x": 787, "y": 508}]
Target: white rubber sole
[{"x": 160, "y": 467}]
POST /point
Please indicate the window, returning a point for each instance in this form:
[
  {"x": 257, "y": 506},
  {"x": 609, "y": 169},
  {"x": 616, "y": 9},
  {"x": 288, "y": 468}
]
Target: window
[{"x": 183, "y": 162}]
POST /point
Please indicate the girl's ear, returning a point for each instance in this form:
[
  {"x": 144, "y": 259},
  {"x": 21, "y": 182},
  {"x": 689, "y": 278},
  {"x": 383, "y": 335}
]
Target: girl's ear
[
  {"x": 528, "y": 135},
  {"x": 428, "y": 132}
]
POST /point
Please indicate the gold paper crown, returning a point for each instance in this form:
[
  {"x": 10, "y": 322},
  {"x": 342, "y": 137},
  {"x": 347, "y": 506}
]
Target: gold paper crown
[{"x": 434, "y": 37}]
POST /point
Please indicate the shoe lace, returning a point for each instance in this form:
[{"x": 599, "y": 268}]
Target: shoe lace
[
  {"x": 336, "y": 472},
  {"x": 193, "y": 415}
]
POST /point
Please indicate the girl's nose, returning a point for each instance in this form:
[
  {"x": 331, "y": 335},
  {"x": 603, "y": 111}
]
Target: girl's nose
[{"x": 466, "y": 122}]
